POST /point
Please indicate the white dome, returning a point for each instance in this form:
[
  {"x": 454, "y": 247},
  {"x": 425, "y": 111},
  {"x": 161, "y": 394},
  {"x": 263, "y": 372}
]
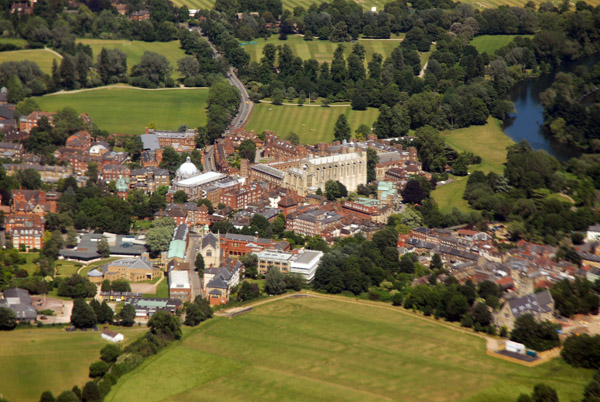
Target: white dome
[{"x": 187, "y": 170}]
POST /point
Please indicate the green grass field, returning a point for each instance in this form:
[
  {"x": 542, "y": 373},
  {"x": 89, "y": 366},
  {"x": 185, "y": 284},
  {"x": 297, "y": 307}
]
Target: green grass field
[
  {"x": 35, "y": 360},
  {"x": 135, "y": 49},
  {"x": 491, "y": 43},
  {"x": 129, "y": 110},
  {"x": 67, "y": 268},
  {"x": 343, "y": 350},
  {"x": 42, "y": 57},
  {"x": 14, "y": 41},
  {"x": 162, "y": 290},
  {"x": 29, "y": 265},
  {"x": 287, "y": 4},
  {"x": 302, "y": 119},
  {"x": 320, "y": 50},
  {"x": 489, "y": 142}
]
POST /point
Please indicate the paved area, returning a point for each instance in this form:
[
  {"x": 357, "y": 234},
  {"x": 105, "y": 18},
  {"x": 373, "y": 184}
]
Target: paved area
[{"x": 62, "y": 309}]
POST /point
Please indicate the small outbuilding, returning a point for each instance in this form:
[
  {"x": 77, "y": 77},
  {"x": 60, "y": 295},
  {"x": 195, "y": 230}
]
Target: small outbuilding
[{"x": 112, "y": 336}]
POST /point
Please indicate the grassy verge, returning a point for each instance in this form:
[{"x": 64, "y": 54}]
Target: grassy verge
[
  {"x": 128, "y": 110},
  {"x": 162, "y": 290},
  {"x": 312, "y": 124},
  {"x": 318, "y": 349}
]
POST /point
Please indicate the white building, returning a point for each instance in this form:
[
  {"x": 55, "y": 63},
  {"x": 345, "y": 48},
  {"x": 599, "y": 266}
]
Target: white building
[
  {"x": 593, "y": 233},
  {"x": 112, "y": 336},
  {"x": 179, "y": 285},
  {"x": 306, "y": 263}
]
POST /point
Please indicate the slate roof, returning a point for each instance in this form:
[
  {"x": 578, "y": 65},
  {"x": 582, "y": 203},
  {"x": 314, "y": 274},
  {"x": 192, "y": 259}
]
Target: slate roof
[
  {"x": 534, "y": 303},
  {"x": 209, "y": 240}
]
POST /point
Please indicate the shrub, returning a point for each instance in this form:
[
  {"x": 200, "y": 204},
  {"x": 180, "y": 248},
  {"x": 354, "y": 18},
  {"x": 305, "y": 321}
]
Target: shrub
[{"x": 98, "y": 369}]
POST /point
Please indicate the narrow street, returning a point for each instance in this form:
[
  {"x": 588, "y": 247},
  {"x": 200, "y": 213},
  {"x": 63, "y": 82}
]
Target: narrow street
[{"x": 191, "y": 258}]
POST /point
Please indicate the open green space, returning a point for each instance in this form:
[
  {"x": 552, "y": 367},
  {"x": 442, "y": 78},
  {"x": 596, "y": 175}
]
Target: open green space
[
  {"x": 491, "y": 43},
  {"x": 323, "y": 349},
  {"x": 43, "y": 57},
  {"x": 39, "y": 359},
  {"x": 490, "y": 143},
  {"x": 134, "y": 50},
  {"x": 67, "y": 268},
  {"x": 14, "y": 41},
  {"x": 313, "y": 124},
  {"x": 162, "y": 289},
  {"x": 29, "y": 265},
  {"x": 128, "y": 110},
  {"x": 320, "y": 50},
  {"x": 287, "y": 4}
]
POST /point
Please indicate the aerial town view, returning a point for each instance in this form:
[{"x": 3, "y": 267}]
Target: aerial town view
[{"x": 304, "y": 200}]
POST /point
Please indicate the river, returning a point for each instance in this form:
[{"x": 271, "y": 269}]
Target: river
[{"x": 526, "y": 123}]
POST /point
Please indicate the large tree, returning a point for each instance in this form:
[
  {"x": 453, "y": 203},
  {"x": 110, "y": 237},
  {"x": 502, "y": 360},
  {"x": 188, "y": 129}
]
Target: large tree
[
  {"x": 83, "y": 315},
  {"x": 153, "y": 70},
  {"x": 274, "y": 282},
  {"x": 342, "y": 131},
  {"x": 247, "y": 150},
  {"x": 8, "y": 319}
]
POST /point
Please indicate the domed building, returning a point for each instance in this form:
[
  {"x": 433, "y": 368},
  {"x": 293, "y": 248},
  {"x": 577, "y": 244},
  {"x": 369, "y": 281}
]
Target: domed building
[{"x": 186, "y": 170}]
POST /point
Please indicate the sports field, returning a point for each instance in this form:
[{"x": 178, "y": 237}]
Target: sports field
[
  {"x": 35, "y": 360},
  {"x": 312, "y": 123},
  {"x": 129, "y": 110},
  {"x": 321, "y": 50},
  {"x": 287, "y": 4},
  {"x": 489, "y": 142},
  {"x": 43, "y": 57},
  {"x": 135, "y": 49},
  {"x": 491, "y": 43},
  {"x": 344, "y": 350}
]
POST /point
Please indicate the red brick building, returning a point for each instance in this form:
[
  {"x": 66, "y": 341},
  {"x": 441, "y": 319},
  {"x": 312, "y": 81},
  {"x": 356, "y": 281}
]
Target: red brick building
[
  {"x": 239, "y": 198},
  {"x": 281, "y": 150},
  {"x": 27, "y": 123},
  {"x": 113, "y": 172},
  {"x": 81, "y": 140},
  {"x": 142, "y": 15}
]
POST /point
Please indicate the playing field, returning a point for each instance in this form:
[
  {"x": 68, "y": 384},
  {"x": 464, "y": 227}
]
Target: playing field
[
  {"x": 316, "y": 349},
  {"x": 42, "y": 57},
  {"x": 489, "y": 142},
  {"x": 321, "y": 50},
  {"x": 135, "y": 49},
  {"x": 129, "y": 110},
  {"x": 35, "y": 360},
  {"x": 312, "y": 124},
  {"x": 491, "y": 43}
]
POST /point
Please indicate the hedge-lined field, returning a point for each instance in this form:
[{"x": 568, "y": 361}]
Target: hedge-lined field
[
  {"x": 134, "y": 50},
  {"x": 128, "y": 110},
  {"x": 321, "y": 50},
  {"x": 491, "y": 43},
  {"x": 312, "y": 124},
  {"x": 344, "y": 350},
  {"x": 43, "y": 57}
]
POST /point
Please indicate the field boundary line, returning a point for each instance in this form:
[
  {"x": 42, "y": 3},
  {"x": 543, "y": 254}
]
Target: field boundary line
[{"x": 117, "y": 86}]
